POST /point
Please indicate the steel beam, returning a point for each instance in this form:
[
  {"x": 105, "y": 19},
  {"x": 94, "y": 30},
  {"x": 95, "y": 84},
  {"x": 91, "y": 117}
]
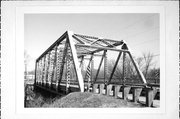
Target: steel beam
[
  {"x": 102, "y": 48},
  {"x": 105, "y": 66},
  {"x": 44, "y": 69},
  {"x": 93, "y": 37},
  {"x": 63, "y": 61},
  {"x": 75, "y": 60},
  {"x": 89, "y": 72},
  {"x": 83, "y": 54},
  {"x": 68, "y": 69},
  {"x": 41, "y": 70},
  {"x": 92, "y": 68},
  {"x": 85, "y": 38},
  {"x": 97, "y": 42},
  {"x": 124, "y": 67},
  {"x": 54, "y": 63},
  {"x": 105, "y": 42},
  {"x": 89, "y": 65},
  {"x": 46, "y": 66},
  {"x": 114, "y": 68},
  {"x": 137, "y": 69},
  {"x": 35, "y": 73},
  {"x": 114, "y": 45},
  {"x": 81, "y": 62},
  {"x": 78, "y": 39},
  {"x": 99, "y": 67},
  {"x": 94, "y": 42}
]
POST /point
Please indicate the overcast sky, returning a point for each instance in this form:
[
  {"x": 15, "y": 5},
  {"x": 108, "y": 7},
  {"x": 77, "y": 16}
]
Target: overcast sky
[{"x": 140, "y": 31}]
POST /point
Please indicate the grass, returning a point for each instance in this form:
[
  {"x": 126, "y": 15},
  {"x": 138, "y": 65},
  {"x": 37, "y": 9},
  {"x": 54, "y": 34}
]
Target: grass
[
  {"x": 79, "y": 100},
  {"x": 90, "y": 100},
  {"x": 75, "y": 100}
]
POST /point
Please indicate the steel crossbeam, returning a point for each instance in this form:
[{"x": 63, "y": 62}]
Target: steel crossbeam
[
  {"x": 114, "y": 68},
  {"x": 78, "y": 39},
  {"x": 99, "y": 66},
  {"x": 102, "y": 48},
  {"x": 88, "y": 71},
  {"x": 93, "y": 37}
]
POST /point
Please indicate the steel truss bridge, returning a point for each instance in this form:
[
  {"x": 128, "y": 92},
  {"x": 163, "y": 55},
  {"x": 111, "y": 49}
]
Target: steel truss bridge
[{"x": 68, "y": 66}]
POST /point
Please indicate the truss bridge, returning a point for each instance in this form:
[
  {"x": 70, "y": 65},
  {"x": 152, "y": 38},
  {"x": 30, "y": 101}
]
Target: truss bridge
[{"x": 77, "y": 62}]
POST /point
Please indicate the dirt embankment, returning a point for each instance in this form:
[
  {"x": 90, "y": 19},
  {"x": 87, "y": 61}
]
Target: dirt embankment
[{"x": 80, "y": 100}]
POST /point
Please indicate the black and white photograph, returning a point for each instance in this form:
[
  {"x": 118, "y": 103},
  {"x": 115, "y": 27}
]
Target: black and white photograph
[
  {"x": 90, "y": 59},
  {"x": 99, "y": 60}
]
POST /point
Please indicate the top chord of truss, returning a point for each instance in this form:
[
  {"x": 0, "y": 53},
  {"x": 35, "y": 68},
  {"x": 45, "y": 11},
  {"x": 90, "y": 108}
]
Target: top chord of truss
[{"x": 87, "y": 44}]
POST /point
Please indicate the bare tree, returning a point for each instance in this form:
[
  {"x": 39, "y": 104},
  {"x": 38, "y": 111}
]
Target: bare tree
[
  {"x": 145, "y": 64},
  {"x": 139, "y": 61},
  {"x": 154, "y": 75},
  {"x": 27, "y": 59},
  {"x": 148, "y": 58}
]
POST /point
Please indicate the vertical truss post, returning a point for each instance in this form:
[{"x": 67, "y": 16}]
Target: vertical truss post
[
  {"x": 68, "y": 68},
  {"x": 50, "y": 68},
  {"x": 99, "y": 67},
  {"x": 75, "y": 60},
  {"x": 35, "y": 75},
  {"x": 92, "y": 68},
  {"x": 137, "y": 69},
  {"x": 156, "y": 76},
  {"x": 81, "y": 63},
  {"x": 62, "y": 65},
  {"x": 40, "y": 71},
  {"x": 58, "y": 65},
  {"x": 124, "y": 67},
  {"x": 37, "y": 72},
  {"x": 54, "y": 66},
  {"x": 44, "y": 69},
  {"x": 105, "y": 66},
  {"x": 114, "y": 68},
  {"x": 48, "y": 65},
  {"x": 40, "y": 76},
  {"x": 88, "y": 72}
]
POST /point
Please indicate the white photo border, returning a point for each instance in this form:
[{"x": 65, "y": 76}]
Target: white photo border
[
  {"x": 83, "y": 9},
  {"x": 17, "y": 40}
]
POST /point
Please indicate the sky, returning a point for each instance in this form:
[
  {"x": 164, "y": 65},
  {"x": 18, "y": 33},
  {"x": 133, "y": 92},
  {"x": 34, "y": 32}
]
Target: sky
[{"x": 139, "y": 30}]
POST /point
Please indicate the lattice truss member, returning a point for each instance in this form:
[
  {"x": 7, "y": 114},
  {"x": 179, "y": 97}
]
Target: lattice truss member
[{"x": 71, "y": 60}]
